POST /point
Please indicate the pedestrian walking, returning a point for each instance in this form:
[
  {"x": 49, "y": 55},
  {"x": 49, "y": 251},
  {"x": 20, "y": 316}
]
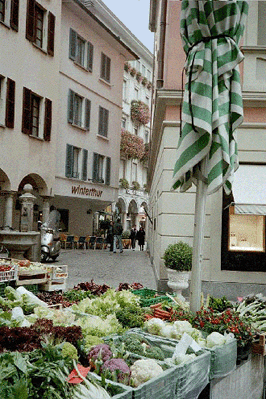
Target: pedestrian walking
[
  {"x": 118, "y": 230},
  {"x": 110, "y": 235},
  {"x": 133, "y": 236},
  {"x": 141, "y": 238}
]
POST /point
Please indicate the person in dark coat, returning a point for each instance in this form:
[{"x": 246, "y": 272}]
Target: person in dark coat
[
  {"x": 110, "y": 235},
  {"x": 133, "y": 236},
  {"x": 141, "y": 238},
  {"x": 118, "y": 230}
]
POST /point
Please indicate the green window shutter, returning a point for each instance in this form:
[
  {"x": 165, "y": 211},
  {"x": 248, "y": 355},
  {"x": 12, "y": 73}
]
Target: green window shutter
[
  {"x": 87, "y": 113},
  {"x": 90, "y": 57},
  {"x": 106, "y": 119},
  {"x": 10, "y": 103},
  {"x": 30, "y": 21},
  {"x": 69, "y": 160},
  {"x": 26, "y": 111},
  {"x": 14, "y": 14},
  {"x": 51, "y": 31},
  {"x": 72, "y": 44},
  {"x": 100, "y": 126},
  {"x": 47, "y": 120},
  {"x": 95, "y": 170},
  {"x": 85, "y": 165},
  {"x": 108, "y": 69},
  {"x": 70, "y": 110},
  {"x": 108, "y": 171}
]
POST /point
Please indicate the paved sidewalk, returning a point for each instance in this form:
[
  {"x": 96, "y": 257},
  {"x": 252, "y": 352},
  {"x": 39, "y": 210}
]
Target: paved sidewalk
[{"x": 105, "y": 267}]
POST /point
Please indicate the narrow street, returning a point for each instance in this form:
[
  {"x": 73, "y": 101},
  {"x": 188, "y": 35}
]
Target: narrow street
[{"x": 105, "y": 267}]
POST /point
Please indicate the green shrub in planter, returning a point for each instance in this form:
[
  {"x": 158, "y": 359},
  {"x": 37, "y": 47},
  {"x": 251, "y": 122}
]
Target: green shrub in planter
[
  {"x": 178, "y": 257},
  {"x": 126, "y": 234}
]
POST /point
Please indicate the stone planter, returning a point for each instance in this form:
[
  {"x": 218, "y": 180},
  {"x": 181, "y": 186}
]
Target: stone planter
[
  {"x": 178, "y": 281},
  {"x": 126, "y": 242}
]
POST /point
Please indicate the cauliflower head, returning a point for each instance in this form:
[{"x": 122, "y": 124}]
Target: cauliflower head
[{"x": 143, "y": 370}]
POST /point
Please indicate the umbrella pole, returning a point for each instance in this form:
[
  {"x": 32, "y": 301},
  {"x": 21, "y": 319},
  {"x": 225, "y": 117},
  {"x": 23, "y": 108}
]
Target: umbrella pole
[{"x": 199, "y": 221}]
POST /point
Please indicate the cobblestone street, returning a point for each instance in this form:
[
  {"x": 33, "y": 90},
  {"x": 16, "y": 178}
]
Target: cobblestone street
[{"x": 105, "y": 267}]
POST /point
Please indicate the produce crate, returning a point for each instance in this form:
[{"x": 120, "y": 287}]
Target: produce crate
[
  {"x": 26, "y": 277},
  {"x": 54, "y": 285},
  {"x": 189, "y": 378},
  {"x": 258, "y": 345},
  {"x": 8, "y": 275},
  {"x": 223, "y": 359},
  {"x": 150, "y": 297},
  {"x": 56, "y": 272},
  {"x": 34, "y": 288}
]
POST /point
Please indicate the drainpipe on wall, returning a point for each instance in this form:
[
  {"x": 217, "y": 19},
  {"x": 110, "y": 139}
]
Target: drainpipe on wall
[{"x": 160, "y": 80}]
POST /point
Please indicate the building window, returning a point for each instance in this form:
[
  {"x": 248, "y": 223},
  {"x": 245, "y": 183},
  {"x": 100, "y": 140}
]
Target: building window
[
  {"x": 135, "y": 130},
  {"x": 146, "y": 137},
  {"x": 2, "y": 10},
  {"x": 33, "y": 108},
  {"x": 136, "y": 93},
  {"x": 148, "y": 74},
  {"x": 138, "y": 66},
  {"x": 103, "y": 122},
  {"x": 80, "y": 50},
  {"x": 125, "y": 90},
  {"x": 134, "y": 172},
  {"x": 101, "y": 169},
  {"x": 105, "y": 67},
  {"x": 9, "y": 12},
  {"x": 261, "y": 23},
  {"x": 35, "y": 115},
  {"x": 147, "y": 100},
  {"x": 7, "y": 102},
  {"x": 124, "y": 122},
  {"x": 79, "y": 110},
  {"x": 76, "y": 162},
  {"x": 143, "y": 70},
  {"x": 40, "y": 29}
]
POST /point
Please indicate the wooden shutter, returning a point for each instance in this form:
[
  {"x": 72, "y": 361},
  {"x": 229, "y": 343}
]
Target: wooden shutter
[
  {"x": 47, "y": 120},
  {"x": 70, "y": 111},
  {"x": 108, "y": 68},
  {"x": 100, "y": 128},
  {"x": 30, "y": 22},
  {"x": 102, "y": 66},
  {"x": 85, "y": 165},
  {"x": 87, "y": 113},
  {"x": 95, "y": 170},
  {"x": 69, "y": 160},
  {"x": 14, "y": 13},
  {"x": 10, "y": 103},
  {"x": 72, "y": 44},
  {"x": 26, "y": 111},
  {"x": 106, "y": 119},
  {"x": 51, "y": 32},
  {"x": 90, "y": 57},
  {"x": 108, "y": 171}
]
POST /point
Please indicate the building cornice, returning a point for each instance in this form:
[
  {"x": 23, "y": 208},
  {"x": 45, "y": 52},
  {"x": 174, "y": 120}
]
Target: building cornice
[
  {"x": 88, "y": 7},
  {"x": 254, "y": 99}
]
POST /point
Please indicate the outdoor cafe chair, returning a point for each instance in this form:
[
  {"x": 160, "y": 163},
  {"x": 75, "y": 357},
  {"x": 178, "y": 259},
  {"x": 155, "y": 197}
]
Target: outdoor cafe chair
[
  {"x": 81, "y": 243},
  {"x": 69, "y": 242},
  {"x": 99, "y": 243},
  {"x": 92, "y": 242}
]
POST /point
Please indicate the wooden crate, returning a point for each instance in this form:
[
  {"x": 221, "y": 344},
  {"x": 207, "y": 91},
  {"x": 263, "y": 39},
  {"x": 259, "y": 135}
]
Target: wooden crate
[
  {"x": 258, "y": 346},
  {"x": 54, "y": 285},
  {"x": 26, "y": 277}
]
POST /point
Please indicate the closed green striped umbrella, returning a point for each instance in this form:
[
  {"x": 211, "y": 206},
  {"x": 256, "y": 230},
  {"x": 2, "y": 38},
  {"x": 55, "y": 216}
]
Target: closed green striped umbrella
[{"x": 212, "y": 105}]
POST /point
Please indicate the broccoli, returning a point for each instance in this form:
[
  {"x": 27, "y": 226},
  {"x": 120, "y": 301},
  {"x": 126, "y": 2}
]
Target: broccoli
[
  {"x": 69, "y": 350},
  {"x": 137, "y": 344},
  {"x": 131, "y": 316},
  {"x": 154, "y": 352}
]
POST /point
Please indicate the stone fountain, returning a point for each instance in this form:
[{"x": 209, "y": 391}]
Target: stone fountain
[{"x": 24, "y": 243}]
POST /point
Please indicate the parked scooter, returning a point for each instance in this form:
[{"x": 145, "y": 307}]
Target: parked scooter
[{"x": 50, "y": 239}]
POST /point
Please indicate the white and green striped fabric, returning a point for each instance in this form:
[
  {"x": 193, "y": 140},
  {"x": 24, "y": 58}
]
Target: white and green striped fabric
[{"x": 212, "y": 105}]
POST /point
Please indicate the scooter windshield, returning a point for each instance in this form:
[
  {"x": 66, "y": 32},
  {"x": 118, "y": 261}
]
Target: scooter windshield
[{"x": 53, "y": 221}]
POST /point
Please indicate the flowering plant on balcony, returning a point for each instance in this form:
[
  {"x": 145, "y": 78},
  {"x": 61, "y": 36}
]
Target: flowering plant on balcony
[
  {"x": 127, "y": 66},
  {"x": 131, "y": 146},
  {"x": 144, "y": 81},
  {"x": 149, "y": 85},
  {"x": 135, "y": 185},
  {"x": 138, "y": 76},
  {"x": 124, "y": 183},
  {"x": 145, "y": 157},
  {"x": 140, "y": 112},
  {"x": 133, "y": 71}
]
